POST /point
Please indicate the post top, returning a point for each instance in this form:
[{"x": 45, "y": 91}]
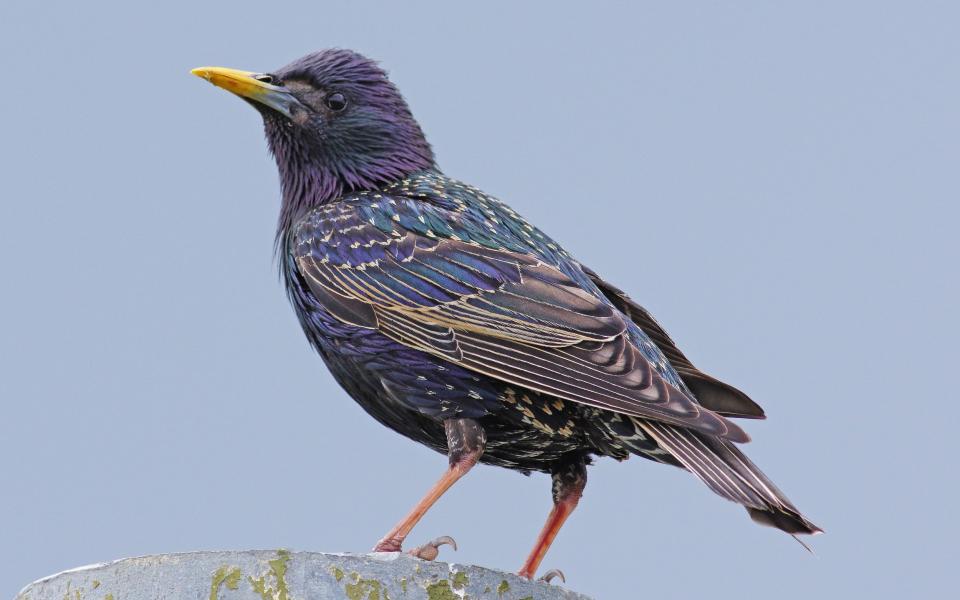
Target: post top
[{"x": 287, "y": 575}]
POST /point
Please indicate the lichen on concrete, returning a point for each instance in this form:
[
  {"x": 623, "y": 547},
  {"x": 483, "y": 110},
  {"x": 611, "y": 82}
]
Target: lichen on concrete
[
  {"x": 441, "y": 591},
  {"x": 365, "y": 589},
  {"x": 229, "y": 576},
  {"x": 278, "y": 572},
  {"x": 284, "y": 575}
]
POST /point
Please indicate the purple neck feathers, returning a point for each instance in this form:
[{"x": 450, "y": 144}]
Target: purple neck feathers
[
  {"x": 311, "y": 177},
  {"x": 323, "y": 154}
]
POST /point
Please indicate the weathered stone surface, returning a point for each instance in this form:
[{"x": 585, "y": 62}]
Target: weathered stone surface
[{"x": 282, "y": 575}]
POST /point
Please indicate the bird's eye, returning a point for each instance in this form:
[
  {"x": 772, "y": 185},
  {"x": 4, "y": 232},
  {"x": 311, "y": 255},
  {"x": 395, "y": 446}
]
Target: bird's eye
[
  {"x": 264, "y": 78},
  {"x": 336, "y": 101}
]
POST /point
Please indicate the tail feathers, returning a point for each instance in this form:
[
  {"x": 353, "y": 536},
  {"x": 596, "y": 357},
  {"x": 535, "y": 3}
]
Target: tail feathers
[
  {"x": 792, "y": 522},
  {"x": 726, "y": 471}
]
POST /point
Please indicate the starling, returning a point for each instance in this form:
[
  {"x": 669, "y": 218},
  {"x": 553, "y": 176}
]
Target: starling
[{"x": 458, "y": 324}]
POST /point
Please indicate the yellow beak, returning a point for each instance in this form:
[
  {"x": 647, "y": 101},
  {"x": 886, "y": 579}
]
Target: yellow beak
[{"x": 246, "y": 85}]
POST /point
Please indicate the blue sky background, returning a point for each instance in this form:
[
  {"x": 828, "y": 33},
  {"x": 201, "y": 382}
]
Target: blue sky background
[{"x": 776, "y": 182}]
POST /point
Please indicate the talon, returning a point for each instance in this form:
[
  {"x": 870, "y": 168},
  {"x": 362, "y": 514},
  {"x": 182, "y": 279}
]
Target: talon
[
  {"x": 431, "y": 549},
  {"x": 551, "y": 574}
]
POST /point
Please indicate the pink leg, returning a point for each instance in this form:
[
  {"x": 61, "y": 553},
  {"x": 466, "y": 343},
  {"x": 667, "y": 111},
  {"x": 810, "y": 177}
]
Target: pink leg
[
  {"x": 465, "y": 440},
  {"x": 568, "y": 484}
]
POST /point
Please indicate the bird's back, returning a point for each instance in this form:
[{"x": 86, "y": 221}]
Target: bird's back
[{"x": 440, "y": 205}]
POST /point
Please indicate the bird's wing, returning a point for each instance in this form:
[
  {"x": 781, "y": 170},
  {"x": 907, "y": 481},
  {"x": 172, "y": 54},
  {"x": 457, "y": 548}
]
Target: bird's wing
[
  {"x": 720, "y": 397},
  {"x": 502, "y": 313}
]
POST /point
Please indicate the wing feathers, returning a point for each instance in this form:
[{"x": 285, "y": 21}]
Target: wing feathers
[
  {"x": 722, "y": 398},
  {"x": 497, "y": 312}
]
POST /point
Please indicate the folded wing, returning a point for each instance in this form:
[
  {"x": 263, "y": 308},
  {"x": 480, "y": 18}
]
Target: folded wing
[
  {"x": 720, "y": 397},
  {"x": 498, "y": 312}
]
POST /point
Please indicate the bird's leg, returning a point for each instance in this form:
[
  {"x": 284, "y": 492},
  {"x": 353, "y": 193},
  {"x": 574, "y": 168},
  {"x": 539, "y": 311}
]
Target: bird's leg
[
  {"x": 466, "y": 440},
  {"x": 569, "y": 479}
]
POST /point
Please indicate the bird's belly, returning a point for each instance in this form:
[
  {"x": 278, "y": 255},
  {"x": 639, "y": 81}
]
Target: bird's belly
[{"x": 519, "y": 434}]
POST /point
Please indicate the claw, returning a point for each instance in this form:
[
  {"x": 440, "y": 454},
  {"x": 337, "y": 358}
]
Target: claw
[
  {"x": 431, "y": 549},
  {"x": 551, "y": 574}
]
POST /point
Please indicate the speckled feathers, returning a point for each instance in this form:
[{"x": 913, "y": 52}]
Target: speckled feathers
[{"x": 430, "y": 300}]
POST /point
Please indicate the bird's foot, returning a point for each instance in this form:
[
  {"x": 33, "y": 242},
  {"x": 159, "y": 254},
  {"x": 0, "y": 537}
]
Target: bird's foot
[
  {"x": 388, "y": 545},
  {"x": 546, "y": 577},
  {"x": 551, "y": 575},
  {"x": 431, "y": 549},
  {"x": 428, "y": 551}
]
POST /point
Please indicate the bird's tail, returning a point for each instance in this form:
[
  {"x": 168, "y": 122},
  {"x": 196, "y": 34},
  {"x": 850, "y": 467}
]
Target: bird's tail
[{"x": 726, "y": 471}]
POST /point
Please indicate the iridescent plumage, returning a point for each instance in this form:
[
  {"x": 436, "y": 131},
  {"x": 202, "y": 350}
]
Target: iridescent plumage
[{"x": 458, "y": 324}]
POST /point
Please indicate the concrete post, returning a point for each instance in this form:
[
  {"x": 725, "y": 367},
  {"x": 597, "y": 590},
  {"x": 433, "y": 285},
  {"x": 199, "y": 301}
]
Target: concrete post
[{"x": 283, "y": 575}]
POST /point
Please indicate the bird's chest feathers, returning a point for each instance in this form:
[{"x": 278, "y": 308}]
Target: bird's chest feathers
[{"x": 325, "y": 331}]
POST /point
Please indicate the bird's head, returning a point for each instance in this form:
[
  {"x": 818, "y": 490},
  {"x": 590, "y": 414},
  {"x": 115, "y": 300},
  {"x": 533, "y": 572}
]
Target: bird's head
[{"x": 334, "y": 123}]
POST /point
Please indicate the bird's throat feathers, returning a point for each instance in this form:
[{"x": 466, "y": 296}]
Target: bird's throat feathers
[
  {"x": 314, "y": 172},
  {"x": 305, "y": 183}
]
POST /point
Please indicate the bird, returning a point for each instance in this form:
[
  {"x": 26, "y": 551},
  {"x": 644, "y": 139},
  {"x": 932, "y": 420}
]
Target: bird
[{"x": 453, "y": 321}]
